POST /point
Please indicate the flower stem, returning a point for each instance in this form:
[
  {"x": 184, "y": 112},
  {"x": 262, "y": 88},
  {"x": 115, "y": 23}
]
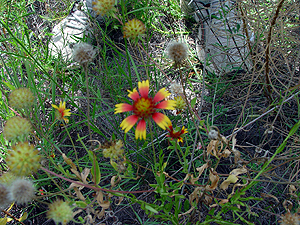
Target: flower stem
[
  {"x": 88, "y": 99},
  {"x": 151, "y": 134},
  {"x": 77, "y": 161}
]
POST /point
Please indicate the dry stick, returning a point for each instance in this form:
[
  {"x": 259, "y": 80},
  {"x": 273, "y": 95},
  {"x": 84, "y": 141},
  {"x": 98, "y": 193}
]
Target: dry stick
[
  {"x": 16, "y": 219},
  {"x": 262, "y": 115},
  {"x": 247, "y": 34},
  {"x": 268, "y": 81}
]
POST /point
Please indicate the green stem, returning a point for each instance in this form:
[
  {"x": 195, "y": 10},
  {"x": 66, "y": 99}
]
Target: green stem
[
  {"x": 151, "y": 134},
  {"x": 77, "y": 161},
  {"x": 88, "y": 99}
]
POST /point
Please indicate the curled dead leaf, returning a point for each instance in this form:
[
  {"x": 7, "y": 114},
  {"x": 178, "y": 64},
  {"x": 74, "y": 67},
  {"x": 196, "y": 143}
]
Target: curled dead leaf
[
  {"x": 105, "y": 204},
  {"x": 231, "y": 179},
  {"x": 226, "y": 153},
  {"x": 114, "y": 181},
  {"x": 200, "y": 170},
  {"x": 214, "y": 178},
  {"x": 292, "y": 188},
  {"x": 78, "y": 194},
  {"x": 264, "y": 195},
  {"x": 120, "y": 199},
  {"x": 288, "y": 205},
  {"x": 223, "y": 201},
  {"x": 69, "y": 161}
]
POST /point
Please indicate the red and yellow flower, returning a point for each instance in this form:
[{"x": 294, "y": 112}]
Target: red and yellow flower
[
  {"x": 177, "y": 133},
  {"x": 145, "y": 107},
  {"x": 61, "y": 112}
]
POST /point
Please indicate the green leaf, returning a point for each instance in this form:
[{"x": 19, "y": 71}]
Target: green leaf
[
  {"x": 150, "y": 208},
  {"x": 193, "y": 102},
  {"x": 81, "y": 204},
  {"x": 95, "y": 171},
  {"x": 186, "y": 205}
]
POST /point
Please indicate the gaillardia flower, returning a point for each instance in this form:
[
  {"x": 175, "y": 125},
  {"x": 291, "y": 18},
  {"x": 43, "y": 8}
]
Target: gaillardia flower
[
  {"x": 177, "y": 133},
  {"x": 144, "y": 107},
  {"x": 62, "y": 112}
]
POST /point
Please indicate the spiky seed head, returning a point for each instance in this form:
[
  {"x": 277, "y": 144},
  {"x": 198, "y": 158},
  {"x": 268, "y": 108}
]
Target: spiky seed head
[
  {"x": 5, "y": 199},
  {"x": 180, "y": 103},
  {"x": 23, "y": 159},
  {"x": 175, "y": 88},
  {"x": 114, "y": 151},
  {"x": 84, "y": 53},
  {"x": 17, "y": 129},
  {"x": 290, "y": 219},
  {"x": 133, "y": 29},
  {"x": 102, "y": 7},
  {"x": 60, "y": 212},
  {"x": 22, "y": 191},
  {"x": 177, "y": 51},
  {"x": 213, "y": 134},
  {"x": 21, "y": 98},
  {"x": 7, "y": 178}
]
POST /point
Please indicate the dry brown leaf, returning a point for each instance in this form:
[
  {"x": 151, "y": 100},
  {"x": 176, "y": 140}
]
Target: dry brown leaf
[
  {"x": 264, "y": 195},
  {"x": 213, "y": 146},
  {"x": 99, "y": 197},
  {"x": 187, "y": 212},
  {"x": 214, "y": 181},
  {"x": 200, "y": 170},
  {"x": 226, "y": 153},
  {"x": 84, "y": 175},
  {"x": 119, "y": 200},
  {"x": 237, "y": 185},
  {"x": 288, "y": 205},
  {"x": 225, "y": 140},
  {"x": 69, "y": 161},
  {"x": 239, "y": 171},
  {"x": 114, "y": 182},
  {"x": 194, "y": 195},
  {"x": 223, "y": 201},
  {"x": 292, "y": 188},
  {"x": 231, "y": 179},
  {"x": 105, "y": 204},
  {"x": 100, "y": 214},
  {"x": 233, "y": 142},
  {"x": 76, "y": 173},
  {"x": 78, "y": 194},
  {"x": 76, "y": 185}
]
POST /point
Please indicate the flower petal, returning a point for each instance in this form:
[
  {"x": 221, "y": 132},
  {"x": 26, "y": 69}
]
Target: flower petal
[
  {"x": 144, "y": 88},
  {"x": 54, "y": 106},
  {"x": 161, "y": 94},
  {"x": 134, "y": 95},
  {"x": 169, "y": 104},
  {"x": 140, "y": 131},
  {"x": 67, "y": 112},
  {"x": 62, "y": 105},
  {"x": 162, "y": 120},
  {"x": 123, "y": 107},
  {"x": 184, "y": 130},
  {"x": 179, "y": 139},
  {"x": 128, "y": 122}
]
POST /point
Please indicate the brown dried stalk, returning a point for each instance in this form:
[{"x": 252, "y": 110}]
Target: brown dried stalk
[{"x": 268, "y": 81}]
